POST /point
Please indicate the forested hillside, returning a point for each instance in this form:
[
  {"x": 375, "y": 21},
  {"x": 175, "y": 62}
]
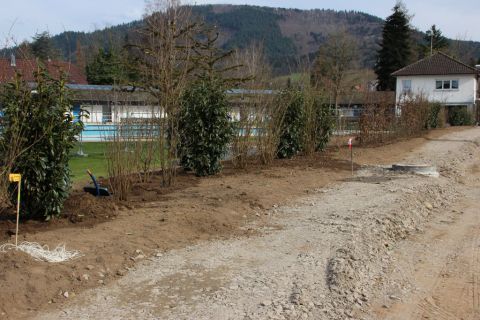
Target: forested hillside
[{"x": 288, "y": 35}]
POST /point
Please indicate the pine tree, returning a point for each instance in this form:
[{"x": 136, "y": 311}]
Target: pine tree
[
  {"x": 42, "y": 47},
  {"x": 434, "y": 40},
  {"x": 106, "y": 68},
  {"x": 395, "y": 50}
]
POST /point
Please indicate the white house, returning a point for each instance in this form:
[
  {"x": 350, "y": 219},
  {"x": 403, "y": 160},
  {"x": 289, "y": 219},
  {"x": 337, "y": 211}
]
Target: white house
[{"x": 440, "y": 78}]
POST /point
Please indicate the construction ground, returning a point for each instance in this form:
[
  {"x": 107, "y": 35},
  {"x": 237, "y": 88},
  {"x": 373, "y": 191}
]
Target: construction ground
[{"x": 303, "y": 239}]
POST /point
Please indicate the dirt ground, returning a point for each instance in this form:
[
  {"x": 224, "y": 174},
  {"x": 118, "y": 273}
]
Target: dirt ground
[
  {"x": 441, "y": 268},
  {"x": 119, "y": 239},
  {"x": 435, "y": 274}
]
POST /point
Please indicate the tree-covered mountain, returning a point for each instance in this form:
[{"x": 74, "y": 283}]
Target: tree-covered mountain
[{"x": 288, "y": 35}]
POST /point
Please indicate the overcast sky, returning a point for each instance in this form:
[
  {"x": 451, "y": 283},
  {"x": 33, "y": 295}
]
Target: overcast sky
[{"x": 21, "y": 19}]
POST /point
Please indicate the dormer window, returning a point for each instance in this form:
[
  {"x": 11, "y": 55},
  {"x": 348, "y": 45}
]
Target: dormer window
[{"x": 446, "y": 85}]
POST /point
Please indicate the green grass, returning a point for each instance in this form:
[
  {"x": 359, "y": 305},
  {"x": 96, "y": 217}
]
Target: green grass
[
  {"x": 294, "y": 77},
  {"x": 95, "y": 161}
]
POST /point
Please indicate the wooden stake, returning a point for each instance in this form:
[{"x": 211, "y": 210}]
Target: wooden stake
[
  {"x": 351, "y": 157},
  {"x": 18, "y": 211},
  {"x": 15, "y": 177},
  {"x": 350, "y": 146}
]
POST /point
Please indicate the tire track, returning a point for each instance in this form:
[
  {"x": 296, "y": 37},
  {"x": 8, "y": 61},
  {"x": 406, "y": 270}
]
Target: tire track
[
  {"x": 475, "y": 273},
  {"x": 430, "y": 310}
]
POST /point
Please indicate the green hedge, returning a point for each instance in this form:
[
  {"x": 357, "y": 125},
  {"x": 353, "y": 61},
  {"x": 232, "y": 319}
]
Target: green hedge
[
  {"x": 205, "y": 127},
  {"x": 39, "y": 125},
  {"x": 291, "y": 138},
  {"x": 459, "y": 116}
]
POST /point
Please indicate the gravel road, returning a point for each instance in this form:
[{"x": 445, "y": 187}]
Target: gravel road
[{"x": 329, "y": 255}]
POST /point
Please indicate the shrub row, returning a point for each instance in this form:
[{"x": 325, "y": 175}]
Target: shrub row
[
  {"x": 380, "y": 123},
  {"x": 282, "y": 126},
  {"x": 38, "y": 133}
]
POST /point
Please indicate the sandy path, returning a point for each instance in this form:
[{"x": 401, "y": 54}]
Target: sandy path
[
  {"x": 441, "y": 265},
  {"x": 326, "y": 257}
]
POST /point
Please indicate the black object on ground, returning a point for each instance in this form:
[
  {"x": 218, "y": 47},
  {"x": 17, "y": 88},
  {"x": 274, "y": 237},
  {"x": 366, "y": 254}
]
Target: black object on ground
[{"x": 96, "y": 189}]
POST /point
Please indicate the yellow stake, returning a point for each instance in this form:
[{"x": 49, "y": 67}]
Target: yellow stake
[{"x": 16, "y": 177}]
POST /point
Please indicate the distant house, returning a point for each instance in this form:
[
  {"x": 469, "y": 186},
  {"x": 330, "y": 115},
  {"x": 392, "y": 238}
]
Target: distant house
[
  {"x": 107, "y": 105},
  {"x": 440, "y": 78},
  {"x": 27, "y": 67}
]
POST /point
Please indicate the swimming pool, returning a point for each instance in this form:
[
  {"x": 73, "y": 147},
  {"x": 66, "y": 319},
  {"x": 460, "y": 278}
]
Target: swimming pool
[{"x": 101, "y": 132}]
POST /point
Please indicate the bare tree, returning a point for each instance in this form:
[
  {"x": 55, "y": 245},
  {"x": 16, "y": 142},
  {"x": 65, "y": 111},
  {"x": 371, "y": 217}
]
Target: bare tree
[
  {"x": 459, "y": 47},
  {"x": 165, "y": 62},
  {"x": 334, "y": 60},
  {"x": 253, "y": 67},
  {"x": 248, "y": 110}
]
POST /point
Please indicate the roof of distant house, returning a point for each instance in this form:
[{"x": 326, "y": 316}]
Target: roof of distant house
[
  {"x": 27, "y": 67},
  {"x": 436, "y": 64}
]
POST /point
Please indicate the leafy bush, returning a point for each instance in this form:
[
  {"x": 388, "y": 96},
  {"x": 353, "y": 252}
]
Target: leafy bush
[
  {"x": 459, "y": 116},
  {"x": 40, "y": 122},
  {"x": 325, "y": 124},
  {"x": 205, "y": 127},
  {"x": 293, "y": 124},
  {"x": 434, "y": 114}
]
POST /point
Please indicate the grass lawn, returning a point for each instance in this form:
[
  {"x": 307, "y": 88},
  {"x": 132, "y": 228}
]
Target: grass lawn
[{"x": 95, "y": 161}]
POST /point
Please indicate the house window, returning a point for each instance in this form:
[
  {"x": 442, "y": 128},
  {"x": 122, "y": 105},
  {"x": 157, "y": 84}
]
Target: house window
[
  {"x": 106, "y": 113},
  {"x": 446, "y": 85},
  {"x": 406, "y": 86}
]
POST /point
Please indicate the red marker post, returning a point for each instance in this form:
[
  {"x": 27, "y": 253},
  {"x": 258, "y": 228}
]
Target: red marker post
[{"x": 350, "y": 146}]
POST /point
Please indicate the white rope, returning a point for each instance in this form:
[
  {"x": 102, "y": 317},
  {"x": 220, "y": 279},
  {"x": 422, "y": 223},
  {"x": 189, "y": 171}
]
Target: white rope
[{"x": 43, "y": 253}]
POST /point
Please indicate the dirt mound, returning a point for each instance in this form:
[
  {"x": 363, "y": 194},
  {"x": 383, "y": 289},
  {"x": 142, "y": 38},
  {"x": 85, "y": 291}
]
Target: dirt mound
[{"x": 81, "y": 206}]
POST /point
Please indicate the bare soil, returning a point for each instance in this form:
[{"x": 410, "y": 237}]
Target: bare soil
[
  {"x": 436, "y": 274},
  {"x": 154, "y": 219},
  {"x": 115, "y": 236}
]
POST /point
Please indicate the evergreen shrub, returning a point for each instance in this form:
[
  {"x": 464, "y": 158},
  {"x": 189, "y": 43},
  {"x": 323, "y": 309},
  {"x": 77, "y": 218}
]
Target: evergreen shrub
[{"x": 39, "y": 124}]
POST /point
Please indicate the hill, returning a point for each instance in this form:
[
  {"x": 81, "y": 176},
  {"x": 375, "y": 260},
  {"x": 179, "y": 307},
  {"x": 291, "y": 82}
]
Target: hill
[{"x": 288, "y": 35}]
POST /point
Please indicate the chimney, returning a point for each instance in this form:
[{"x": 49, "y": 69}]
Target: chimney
[{"x": 13, "y": 61}]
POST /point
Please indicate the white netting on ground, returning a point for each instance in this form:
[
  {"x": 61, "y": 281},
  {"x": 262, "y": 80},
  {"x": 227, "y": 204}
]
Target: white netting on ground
[{"x": 43, "y": 253}]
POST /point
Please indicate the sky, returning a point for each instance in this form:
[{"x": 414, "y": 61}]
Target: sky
[{"x": 21, "y": 19}]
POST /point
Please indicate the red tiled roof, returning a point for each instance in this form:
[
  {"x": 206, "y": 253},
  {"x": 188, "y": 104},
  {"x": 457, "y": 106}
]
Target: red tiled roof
[
  {"x": 27, "y": 67},
  {"x": 436, "y": 64}
]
